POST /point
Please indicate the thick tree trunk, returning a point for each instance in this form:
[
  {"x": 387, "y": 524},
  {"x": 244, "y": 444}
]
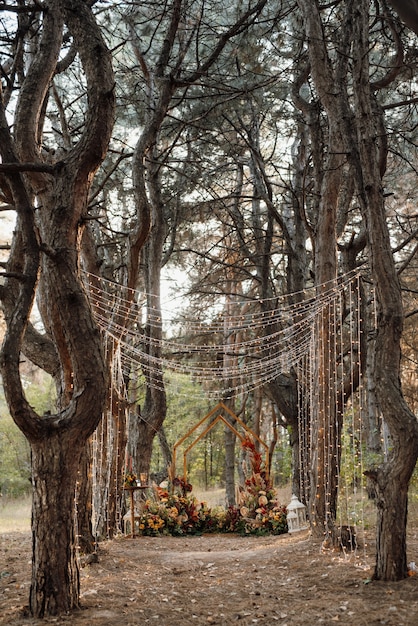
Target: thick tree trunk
[
  {"x": 329, "y": 76},
  {"x": 147, "y": 424},
  {"x": 391, "y": 479},
  {"x": 167, "y": 454},
  {"x": 147, "y": 242},
  {"x": 55, "y": 575},
  {"x": 392, "y": 506},
  {"x": 46, "y": 249},
  {"x": 325, "y": 438}
]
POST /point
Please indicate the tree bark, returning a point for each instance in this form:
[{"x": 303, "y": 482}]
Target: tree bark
[
  {"x": 46, "y": 244},
  {"x": 391, "y": 479},
  {"x": 86, "y": 539},
  {"x": 230, "y": 441},
  {"x": 283, "y": 392},
  {"x": 147, "y": 425},
  {"x": 329, "y": 83},
  {"x": 55, "y": 582}
]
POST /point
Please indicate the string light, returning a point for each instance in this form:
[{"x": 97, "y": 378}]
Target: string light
[
  {"x": 274, "y": 341},
  {"x": 337, "y": 401},
  {"x": 270, "y": 337}
]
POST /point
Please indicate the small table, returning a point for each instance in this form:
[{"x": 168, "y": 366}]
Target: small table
[{"x": 132, "y": 491}]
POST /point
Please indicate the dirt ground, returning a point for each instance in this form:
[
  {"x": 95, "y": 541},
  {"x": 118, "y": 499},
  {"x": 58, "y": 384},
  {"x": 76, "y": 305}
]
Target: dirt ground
[{"x": 218, "y": 579}]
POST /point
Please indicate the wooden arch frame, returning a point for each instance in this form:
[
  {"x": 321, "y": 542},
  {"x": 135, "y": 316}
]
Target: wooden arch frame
[{"x": 219, "y": 407}]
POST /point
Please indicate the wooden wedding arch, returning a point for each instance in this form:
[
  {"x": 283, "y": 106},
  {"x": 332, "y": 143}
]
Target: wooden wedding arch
[{"x": 221, "y": 409}]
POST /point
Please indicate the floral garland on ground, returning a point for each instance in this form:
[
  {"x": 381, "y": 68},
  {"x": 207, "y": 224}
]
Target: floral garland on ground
[{"x": 180, "y": 513}]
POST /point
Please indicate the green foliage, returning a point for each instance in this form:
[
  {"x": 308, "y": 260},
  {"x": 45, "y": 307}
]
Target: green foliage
[
  {"x": 186, "y": 405},
  {"x": 41, "y": 394},
  {"x": 14, "y": 459},
  {"x": 281, "y": 466},
  {"x": 15, "y": 465},
  {"x": 352, "y": 459}
]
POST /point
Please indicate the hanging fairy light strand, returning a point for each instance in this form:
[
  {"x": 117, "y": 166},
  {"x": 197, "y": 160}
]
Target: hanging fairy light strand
[
  {"x": 270, "y": 337},
  {"x": 338, "y": 335},
  {"x": 274, "y": 337},
  {"x": 131, "y": 304}
]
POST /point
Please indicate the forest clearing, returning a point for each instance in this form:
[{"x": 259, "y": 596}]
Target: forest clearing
[
  {"x": 218, "y": 579},
  {"x": 208, "y": 277}
]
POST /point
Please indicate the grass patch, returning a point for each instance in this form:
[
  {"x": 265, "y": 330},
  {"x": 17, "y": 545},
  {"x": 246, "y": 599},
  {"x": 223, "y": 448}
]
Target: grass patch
[{"x": 15, "y": 514}]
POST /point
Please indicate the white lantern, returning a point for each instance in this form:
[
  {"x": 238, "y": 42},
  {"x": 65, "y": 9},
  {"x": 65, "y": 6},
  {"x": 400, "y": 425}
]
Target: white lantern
[{"x": 296, "y": 515}]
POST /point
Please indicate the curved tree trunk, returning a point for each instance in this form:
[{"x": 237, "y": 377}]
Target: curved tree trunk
[
  {"x": 144, "y": 427},
  {"x": 49, "y": 249},
  {"x": 391, "y": 479},
  {"x": 329, "y": 83}
]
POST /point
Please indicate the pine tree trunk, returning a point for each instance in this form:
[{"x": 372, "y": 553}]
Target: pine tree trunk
[
  {"x": 50, "y": 211},
  {"x": 391, "y": 479},
  {"x": 229, "y": 360},
  {"x": 143, "y": 429},
  {"x": 117, "y": 468},
  {"x": 55, "y": 575},
  {"x": 86, "y": 540},
  {"x": 326, "y": 437},
  {"x": 392, "y": 506},
  {"x": 330, "y": 82},
  {"x": 284, "y": 395},
  {"x": 230, "y": 439}
]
